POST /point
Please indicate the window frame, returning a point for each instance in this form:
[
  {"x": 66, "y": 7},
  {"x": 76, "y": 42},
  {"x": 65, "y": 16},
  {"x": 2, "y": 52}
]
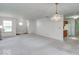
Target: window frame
[{"x": 6, "y": 26}]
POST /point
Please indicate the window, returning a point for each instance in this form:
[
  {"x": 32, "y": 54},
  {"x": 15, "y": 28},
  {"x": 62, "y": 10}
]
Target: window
[{"x": 7, "y": 25}]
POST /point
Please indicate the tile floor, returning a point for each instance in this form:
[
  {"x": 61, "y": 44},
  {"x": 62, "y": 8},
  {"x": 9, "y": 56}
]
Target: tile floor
[{"x": 32, "y": 44}]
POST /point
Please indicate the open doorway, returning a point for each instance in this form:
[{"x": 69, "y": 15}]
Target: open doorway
[
  {"x": 71, "y": 29},
  {"x": 65, "y": 32}
]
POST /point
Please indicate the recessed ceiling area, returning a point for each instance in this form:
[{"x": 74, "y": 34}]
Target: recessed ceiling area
[{"x": 37, "y": 10}]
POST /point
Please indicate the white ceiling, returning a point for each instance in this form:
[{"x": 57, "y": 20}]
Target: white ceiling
[{"x": 38, "y": 10}]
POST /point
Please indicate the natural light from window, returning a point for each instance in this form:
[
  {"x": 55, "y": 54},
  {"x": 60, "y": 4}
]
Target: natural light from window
[{"x": 7, "y": 26}]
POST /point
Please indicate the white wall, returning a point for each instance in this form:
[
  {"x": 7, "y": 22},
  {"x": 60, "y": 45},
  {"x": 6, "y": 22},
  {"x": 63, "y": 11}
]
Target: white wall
[
  {"x": 21, "y": 29},
  {"x": 32, "y": 26},
  {"x": 49, "y": 28},
  {"x": 46, "y": 27},
  {"x": 71, "y": 29}
]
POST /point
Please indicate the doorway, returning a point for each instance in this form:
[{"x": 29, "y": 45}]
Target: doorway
[
  {"x": 77, "y": 27},
  {"x": 65, "y": 32}
]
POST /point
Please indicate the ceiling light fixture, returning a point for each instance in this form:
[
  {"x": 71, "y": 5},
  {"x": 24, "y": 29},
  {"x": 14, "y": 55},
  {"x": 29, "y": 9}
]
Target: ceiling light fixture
[
  {"x": 57, "y": 16},
  {"x": 73, "y": 17}
]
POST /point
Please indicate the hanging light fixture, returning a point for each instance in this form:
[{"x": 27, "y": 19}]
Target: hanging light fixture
[{"x": 57, "y": 16}]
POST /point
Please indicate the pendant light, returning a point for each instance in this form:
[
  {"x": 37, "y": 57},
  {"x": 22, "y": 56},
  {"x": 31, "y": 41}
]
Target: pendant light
[{"x": 57, "y": 16}]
